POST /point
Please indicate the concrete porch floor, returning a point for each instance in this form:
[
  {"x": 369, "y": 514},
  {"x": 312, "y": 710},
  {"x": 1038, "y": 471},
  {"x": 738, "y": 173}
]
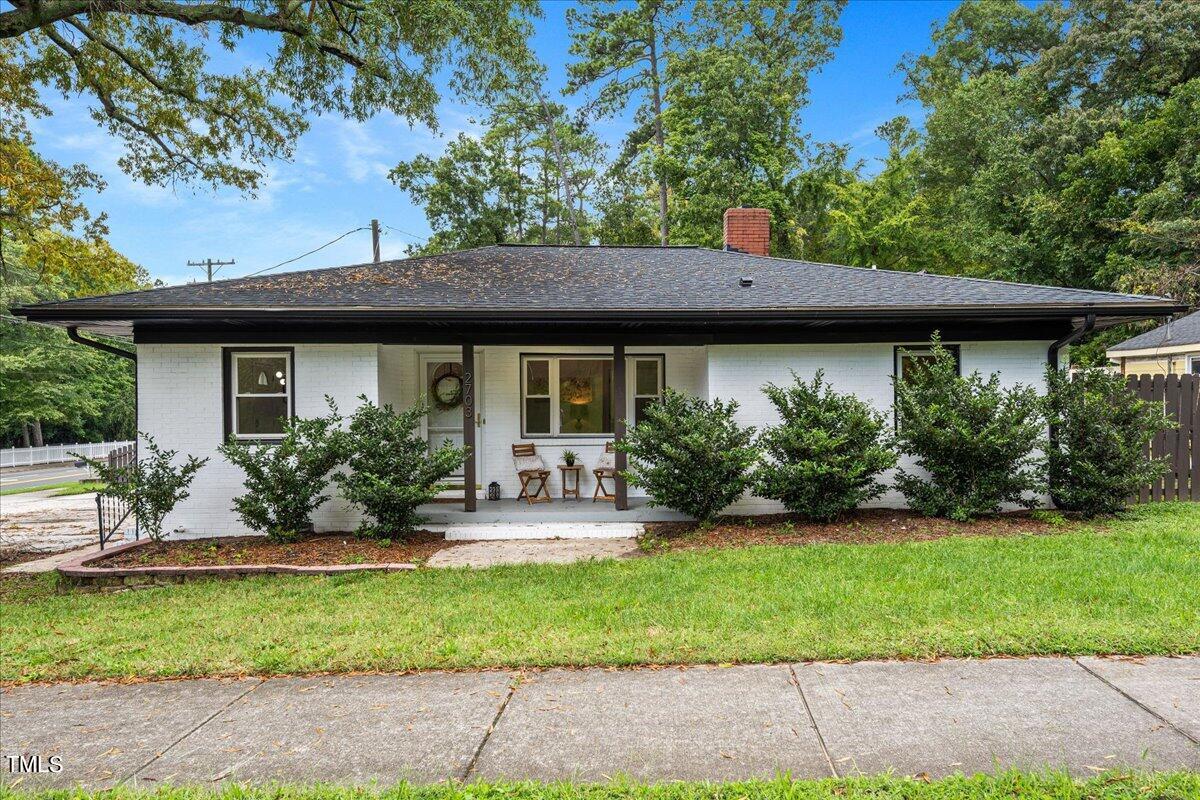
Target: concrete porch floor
[{"x": 558, "y": 510}]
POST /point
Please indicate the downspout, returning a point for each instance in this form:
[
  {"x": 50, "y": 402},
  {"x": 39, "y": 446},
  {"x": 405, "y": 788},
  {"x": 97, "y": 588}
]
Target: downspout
[
  {"x": 1089, "y": 323},
  {"x": 73, "y": 335}
]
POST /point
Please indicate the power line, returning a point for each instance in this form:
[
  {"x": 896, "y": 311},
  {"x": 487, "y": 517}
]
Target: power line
[
  {"x": 406, "y": 233},
  {"x": 309, "y": 253}
]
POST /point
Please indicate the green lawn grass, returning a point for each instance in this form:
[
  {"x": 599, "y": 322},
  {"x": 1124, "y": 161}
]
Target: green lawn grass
[
  {"x": 1131, "y": 586},
  {"x": 1003, "y": 786},
  {"x": 63, "y": 489}
]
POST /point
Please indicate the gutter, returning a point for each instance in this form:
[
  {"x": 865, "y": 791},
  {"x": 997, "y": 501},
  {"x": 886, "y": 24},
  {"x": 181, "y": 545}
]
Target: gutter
[
  {"x": 73, "y": 335},
  {"x": 1089, "y": 324}
]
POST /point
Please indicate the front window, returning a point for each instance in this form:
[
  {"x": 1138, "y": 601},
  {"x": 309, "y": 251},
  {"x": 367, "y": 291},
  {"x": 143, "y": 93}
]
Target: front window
[
  {"x": 572, "y": 396},
  {"x": 909, "y": 357},
  {"x": 262, "y": 393}
]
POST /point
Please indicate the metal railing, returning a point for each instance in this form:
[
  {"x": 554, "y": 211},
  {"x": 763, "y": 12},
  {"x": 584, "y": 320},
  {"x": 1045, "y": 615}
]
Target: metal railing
[
  {"x": 111, "y": 512},
  {"x": 56, "y": 453}
]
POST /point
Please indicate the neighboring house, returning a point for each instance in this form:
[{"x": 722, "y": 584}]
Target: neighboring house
[
  {"x": 1170, "y": 349},
  {"x": 552, "y": 344}
]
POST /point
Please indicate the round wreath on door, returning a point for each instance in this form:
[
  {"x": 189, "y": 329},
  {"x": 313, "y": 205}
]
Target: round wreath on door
[{"x": 446, "y": 389}]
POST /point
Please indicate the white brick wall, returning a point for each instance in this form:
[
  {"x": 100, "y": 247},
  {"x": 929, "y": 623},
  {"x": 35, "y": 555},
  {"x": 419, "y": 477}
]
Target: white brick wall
[
  {"x": 180, "y": 405},
  {"x": 738, "y": 372}
]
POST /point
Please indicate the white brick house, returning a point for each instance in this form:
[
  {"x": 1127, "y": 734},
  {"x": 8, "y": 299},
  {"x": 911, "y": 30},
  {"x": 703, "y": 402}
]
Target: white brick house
[{"x": 559, "y": 346}]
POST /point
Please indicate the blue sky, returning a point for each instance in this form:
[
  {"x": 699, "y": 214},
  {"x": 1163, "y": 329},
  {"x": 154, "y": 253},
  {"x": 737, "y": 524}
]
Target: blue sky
[{"x": 338, "y": 178}]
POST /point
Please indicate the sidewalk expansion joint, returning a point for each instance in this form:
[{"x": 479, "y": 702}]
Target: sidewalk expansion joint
[
  {"x": 487, "y": 735},
  {"x": 1137, "y": 702},
  {"x": 195, "y": 728},
  {"x": 812, "y": 720}
]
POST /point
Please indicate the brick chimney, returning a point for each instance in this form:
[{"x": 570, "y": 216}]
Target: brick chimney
[{"x": 748, "y": 230}]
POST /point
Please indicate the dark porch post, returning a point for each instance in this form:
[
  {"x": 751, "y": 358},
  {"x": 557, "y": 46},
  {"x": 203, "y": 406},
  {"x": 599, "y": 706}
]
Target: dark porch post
[
  {"x": 621, "y": 503},
  {"x": 468, "y": 407}
]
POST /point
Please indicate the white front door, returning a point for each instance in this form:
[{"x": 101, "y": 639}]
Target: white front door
[{"x": 441, "y": 382}]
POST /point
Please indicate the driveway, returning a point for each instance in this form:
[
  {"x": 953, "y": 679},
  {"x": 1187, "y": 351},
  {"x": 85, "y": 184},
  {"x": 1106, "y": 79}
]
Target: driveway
[
  {"x": 1085, "y": 715},
  {"x": 38, "y": 522}
]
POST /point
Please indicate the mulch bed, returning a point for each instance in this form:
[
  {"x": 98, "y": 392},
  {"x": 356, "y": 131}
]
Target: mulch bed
[
  {"x": 313, "y": 551},
  {"x": 10, "y": 557},
  {"x": 860, "y": 527}
]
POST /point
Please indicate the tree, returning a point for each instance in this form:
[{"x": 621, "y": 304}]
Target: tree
[
  {"x": 1059, "y": 140},
  {"x": 690, "y": 454},
  {"x": 1097, "y": 457},
  {"x": 733, "y": 101},
  {"x": 973, "y": 441},
  {"x": 623, "y": 50},
  {"x": 146, "y": 66},
  {"x": 886, "y": 221},
  {"x": 151, "y": 486},
  {"x": 391, "y": 467},
  {"x": 824, "y": 456},
  {"x": 516, "y": 183},
  {"x": 285, "y": 479}
]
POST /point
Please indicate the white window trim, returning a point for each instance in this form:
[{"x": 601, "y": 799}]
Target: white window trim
[
  {"x": 234, "y": 357},
  {"x": 631, "y": 360}
]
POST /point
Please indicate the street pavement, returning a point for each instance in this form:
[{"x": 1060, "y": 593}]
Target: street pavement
[
  {"x": 28, "y": 477},
  {"x": 1084, "y": 715}
]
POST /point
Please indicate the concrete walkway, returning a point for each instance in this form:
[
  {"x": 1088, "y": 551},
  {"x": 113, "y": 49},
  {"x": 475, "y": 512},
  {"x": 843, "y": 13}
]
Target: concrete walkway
[{"x": 699, "y": 723}]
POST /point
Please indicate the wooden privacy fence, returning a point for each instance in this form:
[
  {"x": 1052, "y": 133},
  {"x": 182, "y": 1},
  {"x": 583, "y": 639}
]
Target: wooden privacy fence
[{"x": 1180, "y": 446}]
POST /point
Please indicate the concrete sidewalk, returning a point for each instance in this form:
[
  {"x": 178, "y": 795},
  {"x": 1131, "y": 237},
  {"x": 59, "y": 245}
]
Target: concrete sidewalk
[{"x": 698, "y": 723}]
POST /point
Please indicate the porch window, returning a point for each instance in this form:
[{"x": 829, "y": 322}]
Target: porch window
[
  {"x": 572, "y": 395},
  {"x": 260, "y": 393},
  {"x": 647, "y": 384}
]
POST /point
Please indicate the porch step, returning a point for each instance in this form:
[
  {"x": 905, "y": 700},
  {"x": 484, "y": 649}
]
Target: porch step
[{"x": 538, "y": 530}]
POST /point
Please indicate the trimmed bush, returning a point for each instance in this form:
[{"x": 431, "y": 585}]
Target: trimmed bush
[
  {"x": 285, "y": 480},
  {"x": 690, "y": 455},
  {"x": 151, "y": 486},
  {"x": 975, "y": 440},
  {"x": 392, "y": 469},
  {"x": 1097, "y": 457},
  {"x": 824, "y": 455}
]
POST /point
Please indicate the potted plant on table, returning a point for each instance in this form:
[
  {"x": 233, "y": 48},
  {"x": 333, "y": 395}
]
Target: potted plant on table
[{"x": 570, "y": 457}]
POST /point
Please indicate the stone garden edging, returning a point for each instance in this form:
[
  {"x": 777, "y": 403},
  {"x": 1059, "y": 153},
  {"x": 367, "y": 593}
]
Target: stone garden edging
[{"x": 79, "y": 572}]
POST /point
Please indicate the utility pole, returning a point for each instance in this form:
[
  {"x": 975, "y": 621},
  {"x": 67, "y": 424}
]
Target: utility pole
[
  {"x": 208, "y": 265},
  {"x": 375, "y": 239}
]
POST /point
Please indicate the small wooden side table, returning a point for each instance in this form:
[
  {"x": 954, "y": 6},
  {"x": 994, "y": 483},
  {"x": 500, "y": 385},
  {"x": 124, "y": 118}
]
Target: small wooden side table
[{"x": 571, "y": 490}]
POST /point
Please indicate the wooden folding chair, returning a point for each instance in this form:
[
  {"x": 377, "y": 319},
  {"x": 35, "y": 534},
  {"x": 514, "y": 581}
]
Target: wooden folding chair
[
  {"x": 532, "y": 472},
  {"x": 606, "y": 467}
]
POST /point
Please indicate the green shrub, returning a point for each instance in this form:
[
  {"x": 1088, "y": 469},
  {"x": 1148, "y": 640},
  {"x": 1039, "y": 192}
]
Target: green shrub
[
  {"x": 1101, "y": 428},
  {"x": 975, "y": 440},
  {"x": 151, "y": 486},
  {"x": 690, "y": 455},
  {"x": 391, "y": 467},
  {"x": 824, "y": 455},
  {"x": 285, "y": 479}
]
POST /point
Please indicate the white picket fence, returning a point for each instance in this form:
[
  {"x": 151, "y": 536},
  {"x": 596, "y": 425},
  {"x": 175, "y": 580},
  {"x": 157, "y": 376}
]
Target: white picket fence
[{"x": 55, "y": 453}]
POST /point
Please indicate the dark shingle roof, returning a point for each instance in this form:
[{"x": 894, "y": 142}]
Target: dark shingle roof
[
  {"x": 552, "y": 278},
  {"x": 1185, "y": 330}
]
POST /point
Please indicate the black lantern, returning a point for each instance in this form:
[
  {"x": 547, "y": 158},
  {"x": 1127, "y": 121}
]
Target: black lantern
[{"x": 493, "y": 491}]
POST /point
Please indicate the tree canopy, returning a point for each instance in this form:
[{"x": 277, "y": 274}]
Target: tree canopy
[{"x": 149, "y": 70}]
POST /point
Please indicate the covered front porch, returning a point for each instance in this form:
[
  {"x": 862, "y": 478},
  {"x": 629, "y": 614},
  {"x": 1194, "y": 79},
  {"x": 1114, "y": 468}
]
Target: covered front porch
[{"x": 564, "y": 400}]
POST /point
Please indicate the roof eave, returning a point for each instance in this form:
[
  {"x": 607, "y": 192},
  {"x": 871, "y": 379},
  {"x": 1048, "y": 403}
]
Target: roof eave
[{"x": 63, "y": 313}]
